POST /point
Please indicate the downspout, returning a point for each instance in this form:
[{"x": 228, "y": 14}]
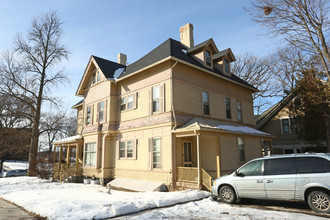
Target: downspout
[
  {"x": 173, "y": 155},
  {"x": 172, "y": 103}
]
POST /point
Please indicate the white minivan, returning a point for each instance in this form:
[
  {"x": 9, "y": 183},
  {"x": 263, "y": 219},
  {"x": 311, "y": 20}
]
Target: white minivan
[{"x": 303, "y": 177}]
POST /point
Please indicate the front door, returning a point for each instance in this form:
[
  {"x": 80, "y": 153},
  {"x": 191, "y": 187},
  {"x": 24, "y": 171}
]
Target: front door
[{"x": 187, "y": 154}]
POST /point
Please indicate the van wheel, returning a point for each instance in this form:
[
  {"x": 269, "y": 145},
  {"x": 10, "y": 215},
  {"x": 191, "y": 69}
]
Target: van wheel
[
  {"x": 227, "y": 194},
  {"x": 319, "y": 201}
]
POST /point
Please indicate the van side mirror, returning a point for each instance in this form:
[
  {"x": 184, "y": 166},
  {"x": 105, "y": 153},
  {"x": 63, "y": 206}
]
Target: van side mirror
[{"x": 238, "y": 173}]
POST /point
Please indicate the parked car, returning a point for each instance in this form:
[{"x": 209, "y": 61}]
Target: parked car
[
  {"x": 304, "y": 177},
  {"x": 12, "y": 173}
]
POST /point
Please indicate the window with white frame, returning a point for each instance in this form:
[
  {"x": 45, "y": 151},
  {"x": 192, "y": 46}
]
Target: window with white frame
[
  {"x": 123, "y": 104},
  {"x": 94, "y": 78},
  {"x": 98, "y": 76},
  {"x": 130, "y": 102},
  {"x": 240, "y": 142},
  {"x": 206, "y": 103},
  {"x": 88, "y": 114},
  {"x": 156, "y": 153},
  {"x": 226, "y": 65},
  {"x": 289, "y": 125},
  {"x": 156, "y": 99},
  {"x": 127, "y": 149},
  {"x": 228, "y": 108},
  {"x": 239, "y": 110},
  {"x": 101, "y": 111},
  {"x": 90, "y": 154},
  {"x": 208, "y": 58}
]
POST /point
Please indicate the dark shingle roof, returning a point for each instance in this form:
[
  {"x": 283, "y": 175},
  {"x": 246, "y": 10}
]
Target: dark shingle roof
[
  {"x": 78, "y": 104},
  {"x": 199, "y": 46},
  {"x": 108, "y": 67},
  {"x": 168, "y": 48}
]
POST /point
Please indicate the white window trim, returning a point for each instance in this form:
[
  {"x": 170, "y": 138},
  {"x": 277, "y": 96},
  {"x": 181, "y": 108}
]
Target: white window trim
[
  {"x": 135, "y": 97},
  {"x": 231, "y": 112},
  {"x": 134, "y": 142},
  {"x": 90, "y": 165},
  {"x": 290, "y": 131},
  {"x": 238, "y": 151},
  {"x": 203, "y": 113},
  {"x": 238, "y": 101}
]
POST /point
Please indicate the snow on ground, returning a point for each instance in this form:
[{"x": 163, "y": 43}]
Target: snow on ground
[{"x": 79, "y": 201}]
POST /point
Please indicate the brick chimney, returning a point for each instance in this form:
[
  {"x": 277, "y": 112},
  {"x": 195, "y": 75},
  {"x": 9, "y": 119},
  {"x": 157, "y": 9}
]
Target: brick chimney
[
  {"x": 122, "y": 58},
  {"x": 187, "y": 35}
]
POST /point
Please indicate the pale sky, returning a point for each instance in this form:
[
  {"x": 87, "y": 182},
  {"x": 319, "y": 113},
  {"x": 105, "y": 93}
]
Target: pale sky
[{"x": 106, "y": 27}]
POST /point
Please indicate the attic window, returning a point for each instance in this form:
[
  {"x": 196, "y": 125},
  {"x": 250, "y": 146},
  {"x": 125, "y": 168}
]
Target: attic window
[
  {"x": 226, "y": 66},
  {"x": 208, "y": 57},
  {"x": 96, "y": 77}
]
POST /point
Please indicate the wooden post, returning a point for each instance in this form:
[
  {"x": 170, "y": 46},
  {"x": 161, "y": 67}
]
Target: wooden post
[
  {"x": 218, "y": 158},
  {"x": 68, "y": 155},
  {"x": 60, "y": 163},
  {"x": 198, "y": 160}
]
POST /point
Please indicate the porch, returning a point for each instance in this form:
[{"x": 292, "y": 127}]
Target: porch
[
  {"x": 68, "y": 159},
  {"x": 206, "y": 149}
]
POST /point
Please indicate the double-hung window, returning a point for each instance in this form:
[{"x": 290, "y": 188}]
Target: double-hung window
[
  {"x": 130, "y": 102},
  {"x": 123, "y": 104},
  {"x": 127, "y": 149},
  {"x": 240, "y": 142},
  {"x": 207, "y": 57},
  {"x": 88, "y": 115},
  {"x": 101, "y": 111},
  {"x": 289, "y": 125},
  {"x": 239, "y": 110},
  {"x": 228, "y": 108},
  {"x": 90, "y": 154},
  {"x": 156, "y": 153},
  {"x": 156, "y": 99},
  {"x": 206, "y": 103},
  {"x": 226, "y": 66}
]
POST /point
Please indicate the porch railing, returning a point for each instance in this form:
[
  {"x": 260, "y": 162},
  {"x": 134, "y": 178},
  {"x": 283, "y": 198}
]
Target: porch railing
[{"x": 190, "y": 174}]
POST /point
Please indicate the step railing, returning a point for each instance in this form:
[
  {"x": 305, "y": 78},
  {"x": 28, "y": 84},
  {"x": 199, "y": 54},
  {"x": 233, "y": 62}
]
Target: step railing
[{"x": 190, "y": 174}]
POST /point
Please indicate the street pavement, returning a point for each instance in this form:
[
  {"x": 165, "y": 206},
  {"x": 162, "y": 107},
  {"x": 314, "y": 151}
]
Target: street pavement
[{"x": 12, "y": 212}]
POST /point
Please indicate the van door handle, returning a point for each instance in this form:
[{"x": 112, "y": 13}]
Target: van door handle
[
  {"x": 269, "y": 181},
  {"x": 259, "y": 181}
]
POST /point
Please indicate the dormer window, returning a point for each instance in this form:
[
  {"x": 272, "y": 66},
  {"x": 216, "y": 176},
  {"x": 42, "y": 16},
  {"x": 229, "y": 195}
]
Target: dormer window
[
  {"x": 207, "y": 58},
  {"x": 226, "y": 66},
  {"x": 96, "y": 77}
]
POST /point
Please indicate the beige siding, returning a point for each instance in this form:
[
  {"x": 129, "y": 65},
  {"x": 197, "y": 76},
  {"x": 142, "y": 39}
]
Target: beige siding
[
  {"x": 208, "y": 152},
  {"x": 188, "y": 87}
]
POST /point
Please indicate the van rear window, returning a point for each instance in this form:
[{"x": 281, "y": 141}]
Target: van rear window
[{"x": 312, "y": 165}]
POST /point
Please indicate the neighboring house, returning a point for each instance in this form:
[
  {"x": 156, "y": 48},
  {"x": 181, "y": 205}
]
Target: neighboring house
[
  {"x": 277, "y": 122},
  {"x": 177, "y": 114}
]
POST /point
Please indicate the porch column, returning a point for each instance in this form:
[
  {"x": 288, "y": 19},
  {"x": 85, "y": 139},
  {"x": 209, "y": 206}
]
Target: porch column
[
  {"x": 198, "y": 160},
  {"x": 60, "y": 163},
  {"x": 218, "y": 157},
  {"x": 68, "y": 151}
]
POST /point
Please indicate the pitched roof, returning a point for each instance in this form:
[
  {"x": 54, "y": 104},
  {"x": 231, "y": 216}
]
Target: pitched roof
[
  {"x": 199, "y": 46},
  {"x": 78, "y": 104},
  {"x": 223, "y": 53},
  {"x": 197, "y": 123},
  {"x": 267, "y": 115},
  {"x": 173, "y": 48},
  {"x": 108, "y": 67}
]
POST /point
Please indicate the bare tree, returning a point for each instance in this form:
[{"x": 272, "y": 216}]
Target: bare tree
[
  {"x": 303, "y": 23},
  {"x": 55, "y": 126},
  {"x": 27, "y": 73},
  {"x": 260, "y": 73}
]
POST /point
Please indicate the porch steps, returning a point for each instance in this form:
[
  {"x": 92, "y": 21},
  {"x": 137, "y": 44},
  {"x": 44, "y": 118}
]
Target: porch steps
[{"x": 181, "y": 185}]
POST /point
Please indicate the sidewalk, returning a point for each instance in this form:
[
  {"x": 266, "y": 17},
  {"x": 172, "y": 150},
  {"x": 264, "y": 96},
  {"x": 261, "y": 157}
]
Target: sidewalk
[{"x": 12, "y": 212}]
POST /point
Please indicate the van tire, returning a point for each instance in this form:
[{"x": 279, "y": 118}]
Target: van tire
[
  {"x": 227, "y": 194},
  {"x": 319, "y": 201}
]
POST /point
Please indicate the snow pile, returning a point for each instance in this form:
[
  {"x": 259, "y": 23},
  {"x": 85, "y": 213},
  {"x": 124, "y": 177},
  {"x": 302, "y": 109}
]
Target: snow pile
[{"x": 78, "y": 201}]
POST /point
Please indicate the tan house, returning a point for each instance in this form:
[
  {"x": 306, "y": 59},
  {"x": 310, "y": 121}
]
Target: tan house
[
  {"x": 176, "y": 115},
  {"x": 277, "y": 121}
]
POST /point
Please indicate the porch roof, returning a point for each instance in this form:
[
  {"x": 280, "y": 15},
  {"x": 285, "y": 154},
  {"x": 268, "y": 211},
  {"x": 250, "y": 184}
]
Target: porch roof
[
  {"x": 210, "y": 124},
  {"x": 67, "y": 140}
]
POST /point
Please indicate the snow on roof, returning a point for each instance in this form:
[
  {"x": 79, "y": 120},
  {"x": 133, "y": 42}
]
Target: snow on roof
[
  {"x": 243, "y": 129},
  {"x": 68, "y": 139}
]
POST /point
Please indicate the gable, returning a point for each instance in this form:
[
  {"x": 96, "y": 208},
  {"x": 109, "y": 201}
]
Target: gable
[{"x": 97, "y": 70}]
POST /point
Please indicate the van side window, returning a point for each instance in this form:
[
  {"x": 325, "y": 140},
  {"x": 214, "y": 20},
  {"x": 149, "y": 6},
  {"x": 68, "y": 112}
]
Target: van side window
[
  {"x": 312, "y": 165},
  {"x": 279, "y": 166},
  {"x": 251, "y": 169}
]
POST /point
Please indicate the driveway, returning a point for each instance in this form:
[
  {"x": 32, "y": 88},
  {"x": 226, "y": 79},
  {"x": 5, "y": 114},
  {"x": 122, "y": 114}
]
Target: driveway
[{"x": 12, "y": 212}]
